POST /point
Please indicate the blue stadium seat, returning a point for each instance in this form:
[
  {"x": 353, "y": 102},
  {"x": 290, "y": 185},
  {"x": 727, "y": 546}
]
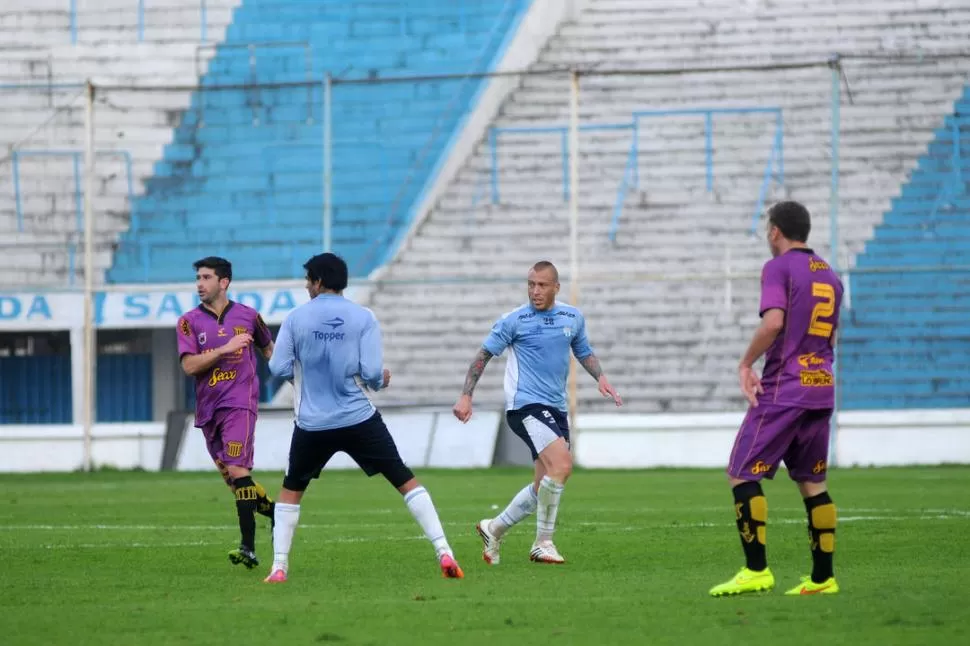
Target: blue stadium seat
[
  {"x": 905, "y": 342},
  {"x": 244, "y": 171}
]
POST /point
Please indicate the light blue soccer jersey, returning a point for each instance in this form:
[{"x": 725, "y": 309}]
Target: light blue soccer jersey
[
  {"x": 323, "y": 345},
  {"x": 539, "y": 343}
]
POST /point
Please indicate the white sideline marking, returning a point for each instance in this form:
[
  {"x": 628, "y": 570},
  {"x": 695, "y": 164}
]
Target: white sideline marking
[{"x": 953, "y": 515}]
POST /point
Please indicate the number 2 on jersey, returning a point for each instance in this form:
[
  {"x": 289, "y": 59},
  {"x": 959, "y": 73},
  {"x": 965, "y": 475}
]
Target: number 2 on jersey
[{"x": 823, "y": 309}]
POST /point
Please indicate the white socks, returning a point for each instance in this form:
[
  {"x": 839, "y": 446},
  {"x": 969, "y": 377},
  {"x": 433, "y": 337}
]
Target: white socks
[
  {"x": 286, "y": 517},
  {"x": 419, "y": 504},
  {"x": 550, "y": 492},
  {"x": 523, "y": 504}
]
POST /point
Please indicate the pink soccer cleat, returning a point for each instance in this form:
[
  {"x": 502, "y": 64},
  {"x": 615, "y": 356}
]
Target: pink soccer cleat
[
  {"x": 276, "y": 576},
  {"x": 449, "y": 567}
]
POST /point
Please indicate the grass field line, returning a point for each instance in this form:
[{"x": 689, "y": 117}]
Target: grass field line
[
  {"x": 850, "y": 515},
  {"x": 569, "y": 528}
]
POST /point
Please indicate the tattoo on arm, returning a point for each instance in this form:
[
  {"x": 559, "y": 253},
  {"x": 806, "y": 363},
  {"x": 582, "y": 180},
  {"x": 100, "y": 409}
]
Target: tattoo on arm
[
  {"x": 592, "y": 365},
  {"x": 475, "y": 371}
]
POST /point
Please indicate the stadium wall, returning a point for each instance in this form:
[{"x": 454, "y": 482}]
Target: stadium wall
[{"x": 432, "y": 438}]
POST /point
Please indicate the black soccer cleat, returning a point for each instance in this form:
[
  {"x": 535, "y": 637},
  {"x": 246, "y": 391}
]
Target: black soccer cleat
[{"x": 245, "y": 556}]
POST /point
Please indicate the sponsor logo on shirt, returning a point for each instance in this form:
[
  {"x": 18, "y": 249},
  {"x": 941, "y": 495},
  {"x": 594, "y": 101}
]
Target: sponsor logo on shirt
[
  {"x": 219, "y": 375},
  {"x": 335, "y": 322},
  {"x": 816, "y": 378},
  {"x": 814, "y": 264},
  {"x": 810, "y": 360},
  {"x": 328, "y": 336}
]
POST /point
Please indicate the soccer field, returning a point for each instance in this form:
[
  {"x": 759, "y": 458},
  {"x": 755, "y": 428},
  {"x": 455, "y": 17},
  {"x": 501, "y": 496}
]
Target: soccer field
[{"x": 139, "y": 558}]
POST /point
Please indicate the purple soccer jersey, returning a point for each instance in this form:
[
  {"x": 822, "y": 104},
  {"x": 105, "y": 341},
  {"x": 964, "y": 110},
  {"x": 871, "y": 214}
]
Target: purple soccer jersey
[
  {"x": 232, "y": 382},
  {"x": 798, "y": 365}
]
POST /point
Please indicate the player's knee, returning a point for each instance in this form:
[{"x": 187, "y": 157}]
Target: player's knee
[
  {"x": 398, "y": 474},
  {"x": 559, "y": 467},
  {"x": 292, "y": 484},
  {"x": 811, "y": 489},
  {"x": 237, "y": 472},
  {"x": 290, "y": 496}
]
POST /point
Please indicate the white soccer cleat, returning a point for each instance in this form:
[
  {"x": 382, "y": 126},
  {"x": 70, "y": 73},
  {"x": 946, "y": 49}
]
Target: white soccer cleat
[
  {"x": 546, "y": 552},
  {"x": 490, "y": 543}
]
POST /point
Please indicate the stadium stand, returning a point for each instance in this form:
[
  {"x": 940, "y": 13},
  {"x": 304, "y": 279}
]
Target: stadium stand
[
  {"x": 175, "y": 165},
  {"x": 42, "y": 131},
  {"x": 248, "y": 163},
  {"x": 907, "y": 339},
  {"x": 673, "y": 343}
]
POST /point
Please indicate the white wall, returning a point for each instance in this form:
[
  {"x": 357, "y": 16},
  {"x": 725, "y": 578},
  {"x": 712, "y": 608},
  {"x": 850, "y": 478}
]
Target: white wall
[
  {"x": 29, "y": 447},
  {"x": 862, "y": 438},
  {"x": 433, "y": 438},
  {"x": 424, "y": 438}
]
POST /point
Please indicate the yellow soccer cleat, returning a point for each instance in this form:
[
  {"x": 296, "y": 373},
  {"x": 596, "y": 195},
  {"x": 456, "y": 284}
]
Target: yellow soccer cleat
[
  {"x": 745, "y": 581},
  {"x": 807, "y": 586}
]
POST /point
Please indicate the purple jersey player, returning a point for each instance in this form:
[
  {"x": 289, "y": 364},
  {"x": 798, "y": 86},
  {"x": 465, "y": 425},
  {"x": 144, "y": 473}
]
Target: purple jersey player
[
  {"x": 215, "y": 343},
  {"x": 791, "y": 403}
]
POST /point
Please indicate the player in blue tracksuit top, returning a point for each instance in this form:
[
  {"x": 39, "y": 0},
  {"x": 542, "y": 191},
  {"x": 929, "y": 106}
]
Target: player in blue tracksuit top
[
  {"x": 326, "y": 346},
  {"x": 539, "y": 337}
]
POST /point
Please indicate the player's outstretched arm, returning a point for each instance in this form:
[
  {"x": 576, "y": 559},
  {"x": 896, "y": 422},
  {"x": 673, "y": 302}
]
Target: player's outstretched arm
[
  {"x": 592, "y": 366},
  {"x": 463, "y": 409}
]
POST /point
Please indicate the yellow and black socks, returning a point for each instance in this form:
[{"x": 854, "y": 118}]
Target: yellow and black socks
[
  {"x": 751, "y": 508},
  {"x": 821, "y": 534},
  {"x": 264, "y": 504},
  {"x": 246, "y": 498}
]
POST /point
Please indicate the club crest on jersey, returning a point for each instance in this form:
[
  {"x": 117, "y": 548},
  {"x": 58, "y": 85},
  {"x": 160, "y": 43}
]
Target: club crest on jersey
[
  {"x": 567, "y": 332},
  {"x": 239, "y": 329},
  {"x": 202, "y": 338}
]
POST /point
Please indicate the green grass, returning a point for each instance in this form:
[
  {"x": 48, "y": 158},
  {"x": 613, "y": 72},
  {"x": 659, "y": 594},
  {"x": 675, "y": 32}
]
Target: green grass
[{"x": 140, "y": 558}]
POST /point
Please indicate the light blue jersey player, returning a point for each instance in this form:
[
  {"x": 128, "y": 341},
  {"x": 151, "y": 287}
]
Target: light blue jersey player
[{"x": 539, "y": 337}]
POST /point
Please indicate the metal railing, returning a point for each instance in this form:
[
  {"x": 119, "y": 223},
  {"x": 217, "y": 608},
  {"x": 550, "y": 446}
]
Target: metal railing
[
  {"x": 76, "y": 157},
  {"x": 253, "y": 80},
  {"x": 563, "y": 132},
  {"x": 630, "y": 180},
  {"x": 140, "y": 20},
  {"x": 774, "y": 168}
]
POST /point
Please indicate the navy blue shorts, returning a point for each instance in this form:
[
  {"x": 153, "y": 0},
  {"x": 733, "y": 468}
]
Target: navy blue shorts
[
  {"x": 369, "y": 444},
  {"x": 538, "y": 426}
]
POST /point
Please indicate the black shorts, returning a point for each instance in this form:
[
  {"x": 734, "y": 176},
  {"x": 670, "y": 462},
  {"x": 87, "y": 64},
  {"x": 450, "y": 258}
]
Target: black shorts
[
  {"x": 369, "y": 444},
  {"x": 538, "y": 426}
]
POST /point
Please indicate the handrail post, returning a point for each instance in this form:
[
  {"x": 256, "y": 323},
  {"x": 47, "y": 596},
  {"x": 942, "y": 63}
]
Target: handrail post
[
  {"x": 709, "y": 149},
  {"x": 15, "y": 167},
  {"x": 73, "y": 22},
  {"x": 636, "y": 151},
  {"x": 141, "y": 20},
  {"x": 566, "y": 156},
  {"x": 780, "y": 136},
  {"x": 493, "y": 145}
]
